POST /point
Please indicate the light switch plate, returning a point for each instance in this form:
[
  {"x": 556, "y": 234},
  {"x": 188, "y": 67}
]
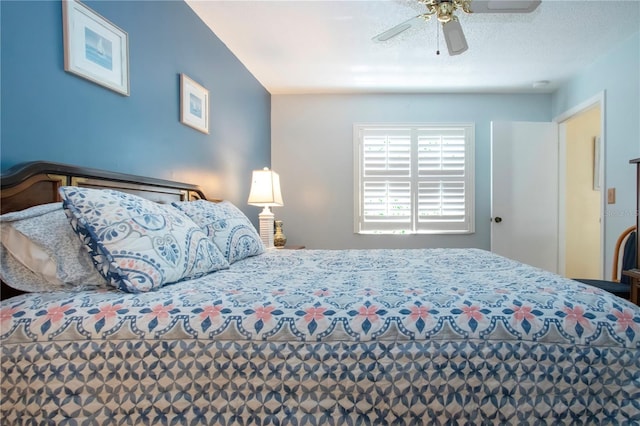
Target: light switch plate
[{"x": 611, "y": 196}]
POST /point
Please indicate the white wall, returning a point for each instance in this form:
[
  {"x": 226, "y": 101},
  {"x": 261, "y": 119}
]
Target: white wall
[
  {"x": 617, "y": 73},
  {"x": 312, "y": 149}
]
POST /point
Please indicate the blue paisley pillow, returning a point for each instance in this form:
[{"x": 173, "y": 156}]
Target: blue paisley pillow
[
  {"x": 229, "y": 228},
  {"x": 136, "y": 244}
]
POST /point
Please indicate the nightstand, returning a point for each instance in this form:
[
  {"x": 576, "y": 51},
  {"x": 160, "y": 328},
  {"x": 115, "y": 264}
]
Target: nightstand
[
  {"x": 635, "y": 284},
  {"x": 291, "y": 247}
]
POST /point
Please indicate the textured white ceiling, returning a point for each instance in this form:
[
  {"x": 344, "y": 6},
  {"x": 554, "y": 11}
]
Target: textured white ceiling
[{"x": 326, "y": 46}]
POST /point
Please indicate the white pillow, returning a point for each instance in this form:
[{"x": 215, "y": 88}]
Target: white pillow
[
  {"x": 40, "y": 251},
  {"x": 30, "y": 254}
]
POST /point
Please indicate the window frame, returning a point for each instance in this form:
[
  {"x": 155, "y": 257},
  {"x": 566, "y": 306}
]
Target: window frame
[{"x": 466, "y": 226}]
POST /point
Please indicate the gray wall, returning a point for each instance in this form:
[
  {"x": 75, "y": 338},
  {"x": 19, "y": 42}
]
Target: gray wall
[{"x": 312, "y": 150}]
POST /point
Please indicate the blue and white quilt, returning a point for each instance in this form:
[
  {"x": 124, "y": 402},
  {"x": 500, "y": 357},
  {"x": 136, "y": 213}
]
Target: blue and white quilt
[{"x": 328, "y": 337}]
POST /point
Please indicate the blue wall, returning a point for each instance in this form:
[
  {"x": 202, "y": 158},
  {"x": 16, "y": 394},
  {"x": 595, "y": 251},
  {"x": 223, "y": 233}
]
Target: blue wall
[{"x": 50, "y": 114}]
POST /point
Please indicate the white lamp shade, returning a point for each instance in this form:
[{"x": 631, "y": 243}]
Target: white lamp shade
[{"x": 265, "y": 189}]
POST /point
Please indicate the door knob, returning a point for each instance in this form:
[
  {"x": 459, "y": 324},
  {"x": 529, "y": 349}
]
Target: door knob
[{"x": 498, "y": 219}]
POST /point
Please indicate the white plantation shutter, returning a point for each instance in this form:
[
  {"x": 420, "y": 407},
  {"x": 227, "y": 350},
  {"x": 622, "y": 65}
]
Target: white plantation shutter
[
  {"x": 387, "y": 153},
  {"x": 386, "y": 182},
  {"x": 387, "y": 202},
  {"x": 414, "y": 179},
  {"x": 441, "y": 173}
]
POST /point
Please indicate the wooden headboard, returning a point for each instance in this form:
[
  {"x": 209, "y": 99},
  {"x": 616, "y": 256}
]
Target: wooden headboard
[{"x": 30, "y": 184}]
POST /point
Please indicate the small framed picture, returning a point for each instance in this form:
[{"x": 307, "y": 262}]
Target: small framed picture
[
  {"x": 194, "y": 104},
  {"x": 94, "y": 48}
]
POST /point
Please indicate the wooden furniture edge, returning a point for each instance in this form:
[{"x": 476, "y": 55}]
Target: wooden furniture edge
[
  {"x": 29, "y": 184},
  {"x": 20, "y": 172},
  {"x": 635, "y": 273}
]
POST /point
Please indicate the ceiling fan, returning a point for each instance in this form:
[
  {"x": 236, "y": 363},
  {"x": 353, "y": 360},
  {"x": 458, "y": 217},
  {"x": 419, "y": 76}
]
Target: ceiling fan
[{"x": 451, "y": 28}]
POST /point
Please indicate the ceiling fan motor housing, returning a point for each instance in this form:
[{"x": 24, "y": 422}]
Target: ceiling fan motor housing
[{"x": 444, "y": 9}]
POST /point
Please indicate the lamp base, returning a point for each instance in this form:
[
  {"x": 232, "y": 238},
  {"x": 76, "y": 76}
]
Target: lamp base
[
  {"x": 266, "y": 227},
  {"x": 279, "y": 239}
]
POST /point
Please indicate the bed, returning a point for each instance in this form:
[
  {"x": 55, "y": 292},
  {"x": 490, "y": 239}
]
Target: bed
[{"x": 296, "y": 337}]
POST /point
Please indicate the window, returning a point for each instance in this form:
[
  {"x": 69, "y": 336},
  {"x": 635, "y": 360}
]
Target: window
[{"x": 412, "y": 179}]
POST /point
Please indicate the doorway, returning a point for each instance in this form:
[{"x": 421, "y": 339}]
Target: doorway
[
  {"x": 582, "y": 195},
  {"x": 581, "y": 190},
  {"x": 527, "y": 240}
]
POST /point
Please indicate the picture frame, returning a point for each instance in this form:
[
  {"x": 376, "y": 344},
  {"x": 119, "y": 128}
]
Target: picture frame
[
  {"x": 596, "y": 163},
  {"x": 94, "y": 48},
  {"x": 194, "y": 104}
]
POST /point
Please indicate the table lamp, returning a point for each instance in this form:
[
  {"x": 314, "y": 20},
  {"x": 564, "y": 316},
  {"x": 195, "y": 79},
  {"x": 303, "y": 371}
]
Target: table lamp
[{"x": 265, "y": 192}]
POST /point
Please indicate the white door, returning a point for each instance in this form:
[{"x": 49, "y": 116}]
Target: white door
[{"x": 524, "y": 192}]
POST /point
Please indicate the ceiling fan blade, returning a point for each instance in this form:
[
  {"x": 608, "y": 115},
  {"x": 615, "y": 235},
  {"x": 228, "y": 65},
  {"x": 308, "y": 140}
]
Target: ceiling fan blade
[
  {"x": 453, "y": 35},
  {"x": 392, "y": 32},
  {"x": 504, "y": 6}
]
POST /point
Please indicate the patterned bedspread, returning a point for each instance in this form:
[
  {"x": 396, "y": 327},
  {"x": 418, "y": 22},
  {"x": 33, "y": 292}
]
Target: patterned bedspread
[{"x": 329, "y": 337}]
